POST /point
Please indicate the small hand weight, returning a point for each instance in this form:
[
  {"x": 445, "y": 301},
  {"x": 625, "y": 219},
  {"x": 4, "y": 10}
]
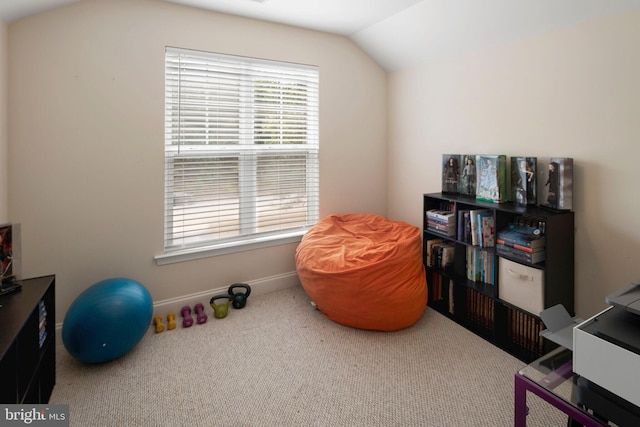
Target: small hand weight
[
  {"x": 157, "y": 321},
  {"x": 186, "y": 314},
  {"x": 200, "y": 314},
  {"x": 171, "y": 321},
  {"x": 239, "y": 299}
]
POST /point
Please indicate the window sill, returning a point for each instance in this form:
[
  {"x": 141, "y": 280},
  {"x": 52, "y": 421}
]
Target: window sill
[{"x": 227, "y": 248}]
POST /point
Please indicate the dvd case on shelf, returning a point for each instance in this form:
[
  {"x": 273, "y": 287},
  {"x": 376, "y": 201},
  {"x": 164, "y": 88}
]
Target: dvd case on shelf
[
  {"x": 492, "y": 178},
  {"x": 468, "y": 176},
  {"x": 555, "y": 183},
  {"x": 523, "y": 180},
  {"x": 450, "y": 173},
  {"x": 9, "y": 258},
  {"x": 9, "y": 253}
]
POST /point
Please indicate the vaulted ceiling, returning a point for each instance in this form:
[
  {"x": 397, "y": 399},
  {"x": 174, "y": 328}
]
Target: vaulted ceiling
[{"x": 399, "y": 33}]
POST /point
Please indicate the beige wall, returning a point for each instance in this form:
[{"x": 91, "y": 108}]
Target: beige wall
[
  {"x": 86, "y": 134},
  {"x": 568, "y": 93},
  {"x": 87, "y": 139},
  {"x": 4, "y": 164}
]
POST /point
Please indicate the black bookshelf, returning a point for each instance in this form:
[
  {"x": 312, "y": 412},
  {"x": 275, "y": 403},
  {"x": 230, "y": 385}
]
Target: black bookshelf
[
  {"x": 477, "y": 305},
  {"x": 27, "y": 342}
]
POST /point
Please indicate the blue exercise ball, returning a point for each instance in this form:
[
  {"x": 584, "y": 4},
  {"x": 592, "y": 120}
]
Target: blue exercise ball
[{"x": 107, "y": 320}]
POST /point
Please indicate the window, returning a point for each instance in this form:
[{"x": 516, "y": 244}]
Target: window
[{"x": 241, "y": 151}]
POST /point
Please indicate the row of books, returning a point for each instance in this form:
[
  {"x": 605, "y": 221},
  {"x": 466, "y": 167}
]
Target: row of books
[
  {"x": 441, "y": 222},
  {"x": 441, "y": 289},
  {"x": 527, "y": 228},
  {"x": 523, "y": 240},
  {"x": 476, "y": 226},
  {"x": 521, "y": 254},
  {"x": 42, "y": 324},
  {"x": 439, "y": 254},
  {"x": 480, "y": 308},
  {"x": 524, "y": 330},
  {"x": 481, "y": 266}
]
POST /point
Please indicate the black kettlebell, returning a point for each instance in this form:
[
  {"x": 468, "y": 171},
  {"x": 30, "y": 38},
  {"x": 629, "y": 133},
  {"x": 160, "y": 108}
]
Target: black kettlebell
[{"x": 239, "y": 298}]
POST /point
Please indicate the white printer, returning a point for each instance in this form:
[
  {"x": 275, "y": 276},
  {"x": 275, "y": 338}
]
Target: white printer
[{"x": 606, "y": 347}]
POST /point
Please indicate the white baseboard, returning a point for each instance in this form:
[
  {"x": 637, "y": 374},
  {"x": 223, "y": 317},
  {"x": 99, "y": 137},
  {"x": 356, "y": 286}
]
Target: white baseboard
[
  {"x": 258, "y": 287},
  {"x": 173, "y": 305}
]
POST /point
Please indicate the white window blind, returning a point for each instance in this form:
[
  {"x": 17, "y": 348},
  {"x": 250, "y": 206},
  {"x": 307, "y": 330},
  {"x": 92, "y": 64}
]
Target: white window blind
[{"x": 241, "y": 149}]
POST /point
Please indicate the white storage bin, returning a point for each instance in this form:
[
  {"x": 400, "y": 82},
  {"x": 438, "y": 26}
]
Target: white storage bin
[{"x": 521, "y": 285}]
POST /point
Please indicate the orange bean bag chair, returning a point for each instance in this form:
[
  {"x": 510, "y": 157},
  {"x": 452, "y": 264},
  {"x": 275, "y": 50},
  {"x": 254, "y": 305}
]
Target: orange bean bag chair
[{"x": 364, "y": 271}]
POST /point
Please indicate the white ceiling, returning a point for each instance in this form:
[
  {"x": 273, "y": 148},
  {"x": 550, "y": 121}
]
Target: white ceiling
[
  {"x": 11, "y": 10},
  {"x": 399, "y": 33},
  {"x": 435, "y": 29},
  {"x": 334, "y": 16}
]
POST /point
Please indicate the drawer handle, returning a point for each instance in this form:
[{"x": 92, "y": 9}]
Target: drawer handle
[{"x": 519, "y": 276}]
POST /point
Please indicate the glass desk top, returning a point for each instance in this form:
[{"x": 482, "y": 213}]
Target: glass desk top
[
  {"x": 554, "y": 372},
  {"x": 551, "y": 377}
]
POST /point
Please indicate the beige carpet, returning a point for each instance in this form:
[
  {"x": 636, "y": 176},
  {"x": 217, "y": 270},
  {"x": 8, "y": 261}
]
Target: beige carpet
[{"x": 279, "y": 362}]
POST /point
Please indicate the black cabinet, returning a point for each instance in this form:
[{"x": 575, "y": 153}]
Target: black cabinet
[
  {"x": 27, "y": 342},
  {"x": 475, "y": 301}
]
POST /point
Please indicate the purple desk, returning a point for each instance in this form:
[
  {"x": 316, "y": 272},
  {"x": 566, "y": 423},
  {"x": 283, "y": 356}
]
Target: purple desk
[{"x": 551, "y": 378}]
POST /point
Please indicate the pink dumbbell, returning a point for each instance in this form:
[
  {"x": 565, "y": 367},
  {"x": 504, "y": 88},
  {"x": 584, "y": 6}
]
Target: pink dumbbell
[
  {"x": 186, "y": 314},
  {"x": 202, "y": 316}
]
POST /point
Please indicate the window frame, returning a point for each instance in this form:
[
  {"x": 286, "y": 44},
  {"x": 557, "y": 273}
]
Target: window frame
[{"x": 248, "y": 151}]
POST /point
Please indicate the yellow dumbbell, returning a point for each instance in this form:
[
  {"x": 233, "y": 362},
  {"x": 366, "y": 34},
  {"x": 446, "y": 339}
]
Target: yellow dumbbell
[
  {"x": 171, "y": 321},
  {"x": 159, "y": 325}
]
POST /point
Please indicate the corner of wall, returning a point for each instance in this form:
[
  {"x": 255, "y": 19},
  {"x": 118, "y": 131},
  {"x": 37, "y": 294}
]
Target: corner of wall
[{"x": 4, "y": 134}]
